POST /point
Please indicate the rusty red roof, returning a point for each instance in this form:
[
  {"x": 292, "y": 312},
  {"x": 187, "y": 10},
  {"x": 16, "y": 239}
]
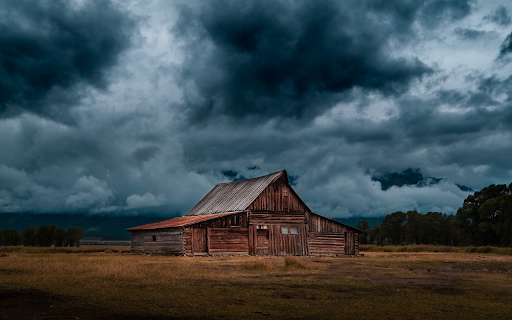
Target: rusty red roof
[{"x": 179, "y": 222}]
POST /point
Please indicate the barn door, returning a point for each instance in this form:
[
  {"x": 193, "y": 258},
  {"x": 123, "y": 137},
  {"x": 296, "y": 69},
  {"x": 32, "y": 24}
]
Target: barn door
[
  {"x": 350, "y": 243},
  {"x": 199, "y": 245},
  {"x": 262, "y": 242}
]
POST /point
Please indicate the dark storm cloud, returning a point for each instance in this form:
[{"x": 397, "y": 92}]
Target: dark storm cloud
[
  {"x": 47, "y": 47},
  {"x": 472, "y": 34},
  {"x": 269, "y": 59},
  {"x": 500, "y": 17},
  {"x": 506, "y": 47}
]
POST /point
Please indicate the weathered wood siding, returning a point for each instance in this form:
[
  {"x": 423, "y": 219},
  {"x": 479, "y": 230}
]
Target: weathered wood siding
[
  {"x": 279, "y": 218},
  {"x": 278, "y": 196},
  {"x": 166, "y": 241},
  {"x": 319, "y": 224},
  {"x": 326, "y": 244},
  {"x": 215, "y": 241},
  {"x": 269, "y": 240},
  {"x": 224, "y": 222},
  {"x": 322, "y": 230},
  {"x": 228, "y": 241}
]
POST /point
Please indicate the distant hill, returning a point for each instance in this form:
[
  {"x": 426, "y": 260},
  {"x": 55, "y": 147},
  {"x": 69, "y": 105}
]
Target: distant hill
[
  {"x": 410, "y": 177},
  {"x": 353, "y": 220},
  {"x": 98, "y": 227}
]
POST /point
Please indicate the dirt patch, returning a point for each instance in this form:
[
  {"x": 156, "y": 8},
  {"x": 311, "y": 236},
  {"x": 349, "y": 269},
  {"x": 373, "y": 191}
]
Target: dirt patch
[{"x": 37, "y": 304}]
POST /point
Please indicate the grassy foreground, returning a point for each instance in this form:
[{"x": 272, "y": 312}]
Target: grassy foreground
[{"x": 384, "y": 285}]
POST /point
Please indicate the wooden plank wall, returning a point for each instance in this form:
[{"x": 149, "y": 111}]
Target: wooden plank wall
[
  {"x": 281, "y": 218},
  {"x": 228, "y": 241},
  {"x": 279, "y": 244},
  {"x": 319, "y": 224},
  {"x": 167, "y": 241},
  {"x": 278, "y": 196},
  {"x": 187, "y": 241},
  {"x": 326, "y": 244},
  {"x": 223, "y": 222}
]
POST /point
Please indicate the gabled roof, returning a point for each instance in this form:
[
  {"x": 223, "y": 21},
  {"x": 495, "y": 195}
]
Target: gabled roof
[
  {"x": 233, "y": 196},
  {"x": 179, "y": 222}
]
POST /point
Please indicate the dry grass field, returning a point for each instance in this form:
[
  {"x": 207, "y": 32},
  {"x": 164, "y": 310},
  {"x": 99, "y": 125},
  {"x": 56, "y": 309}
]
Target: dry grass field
[{"x": 380, "y": 285}]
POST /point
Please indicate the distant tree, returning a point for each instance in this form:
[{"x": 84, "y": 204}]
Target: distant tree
[
  {"x": 393, "y": 228},
  {"x": 11, "y": 237},
  {"x": 45, "y": 233},
  {"x": 364, "y": 226},
  {"x": 496, "y": 220},
  {"x": 412, "y": 228},
  {"x": 59, "y": 237},
  {"x": 485, "y": 218},
  {"x": 1, "y": 238},
  {"x": 376, "y": 235},
  {"x": 28, "y": 237},
  {"x": 74, "y": 235}
]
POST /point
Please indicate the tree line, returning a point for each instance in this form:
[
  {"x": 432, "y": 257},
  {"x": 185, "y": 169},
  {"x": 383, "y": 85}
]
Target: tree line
[
  {"x": 44, "y": 236},
  {"x": 485, "y": 219}
]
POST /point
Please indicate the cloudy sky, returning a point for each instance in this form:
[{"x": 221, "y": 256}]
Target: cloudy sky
[{"x": 139, "y": 107}]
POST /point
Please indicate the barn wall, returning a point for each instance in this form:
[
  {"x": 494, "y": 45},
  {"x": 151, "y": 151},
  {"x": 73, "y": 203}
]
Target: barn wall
[
  {"x": 281, "y": 218},
  {"x": 205, "y": 237},
  {"x": 322, "y": 225},
  {"x": 326, "y": 244},
  {"x": 228, "y": 241},
  {"x": 224, "y": 222},
  {"x": 167, "y": 241},
  {"x": 278, "y": 196}
]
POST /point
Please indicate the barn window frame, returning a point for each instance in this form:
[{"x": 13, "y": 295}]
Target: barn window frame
[
  {"x": 289, "y": 230},
  {"x": 235, "y": 221},
  {"x": 153, "y": 238}
]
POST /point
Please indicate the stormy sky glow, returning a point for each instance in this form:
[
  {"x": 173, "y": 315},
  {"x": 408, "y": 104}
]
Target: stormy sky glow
[{"x": 139, "y": 107}]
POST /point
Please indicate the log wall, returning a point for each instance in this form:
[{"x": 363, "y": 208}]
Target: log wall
[
  {"x": 167, "y": 241},
  {"x": 280, "y": 218},
  {"x": 319, "y": 224},
  {"x": 228, "y": 241},
  {"x": 326, "y": 244}
]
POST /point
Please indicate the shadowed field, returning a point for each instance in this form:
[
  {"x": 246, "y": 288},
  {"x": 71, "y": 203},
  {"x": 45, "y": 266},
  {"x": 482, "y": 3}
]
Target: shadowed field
[{"x": 384, "y": 285}]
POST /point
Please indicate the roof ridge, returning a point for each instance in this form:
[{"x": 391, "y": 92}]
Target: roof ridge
[
  {"x": 252, "y": 178},
  {"x": 233, "y": 196}
]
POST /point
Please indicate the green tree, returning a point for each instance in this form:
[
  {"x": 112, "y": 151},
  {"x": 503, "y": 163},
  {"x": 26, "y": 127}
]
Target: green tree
[
  {"x": 74, "y": 235},
  {"x": 412, "y": 228},
  {"x": 44, "y": 236},
  {"x": 393, "y": 228},
  {"x": 28, "y": 237},
  {"x": 11, "y": 237},
  {"x": 376, "y": 235},
  {"x": 59, "y": 237},
  {"x": 364, "y": 226},
  {"x": 485, "y": 218},
  {"x": 496, "y": 221}
]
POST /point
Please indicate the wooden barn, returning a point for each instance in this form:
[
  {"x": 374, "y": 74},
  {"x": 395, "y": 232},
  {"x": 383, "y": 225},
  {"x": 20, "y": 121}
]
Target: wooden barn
[{"x": 260, "y": 216}]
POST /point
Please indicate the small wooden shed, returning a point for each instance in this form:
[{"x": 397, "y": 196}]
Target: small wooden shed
[{"x": 260, "y": 216}]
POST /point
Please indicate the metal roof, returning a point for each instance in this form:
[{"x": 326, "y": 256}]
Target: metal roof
[
  {"x": 179, "y": 222},
  {"x": 233, "y": 196}
]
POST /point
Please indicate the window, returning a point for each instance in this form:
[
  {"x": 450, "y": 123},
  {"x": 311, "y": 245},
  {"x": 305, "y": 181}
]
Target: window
[
  {"x": 289, "y": 230},
  {"x": 235, "y": 221},
  {"x": 154, "y": 238}
]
